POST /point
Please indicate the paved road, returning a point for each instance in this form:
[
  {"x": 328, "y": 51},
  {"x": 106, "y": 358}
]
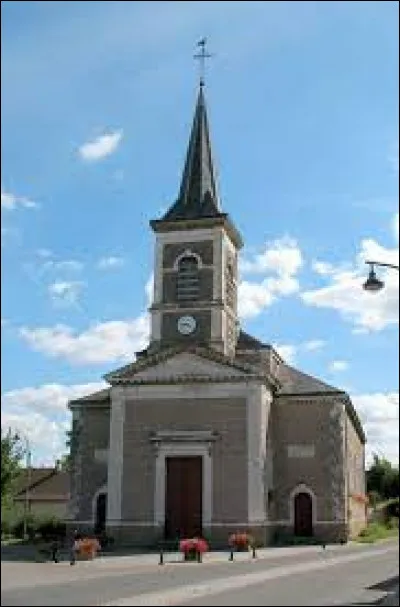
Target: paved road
[{"x": 340, "y": 576}]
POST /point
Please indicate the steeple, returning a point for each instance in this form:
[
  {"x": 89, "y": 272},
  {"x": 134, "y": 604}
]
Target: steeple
[{"x": 198, "y": 196}]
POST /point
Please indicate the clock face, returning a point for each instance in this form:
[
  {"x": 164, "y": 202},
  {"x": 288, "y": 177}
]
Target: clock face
[{"x": 186, "y": 325}]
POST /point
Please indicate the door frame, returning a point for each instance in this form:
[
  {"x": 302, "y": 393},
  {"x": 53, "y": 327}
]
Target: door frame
[
  {"x": 182, "y": 449},
  {"x": 302, "y": 488},
  {"x": 102, "y": 489},
  {"x": 196, "y": 474}
]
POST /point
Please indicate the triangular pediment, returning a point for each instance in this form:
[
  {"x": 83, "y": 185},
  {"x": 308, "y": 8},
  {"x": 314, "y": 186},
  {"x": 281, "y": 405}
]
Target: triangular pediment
[{"x": 200, "y": 365}]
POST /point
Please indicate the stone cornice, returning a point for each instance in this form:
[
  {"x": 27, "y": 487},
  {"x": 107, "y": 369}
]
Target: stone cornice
[
  {"x": 159, "y": 225},
  {"x": 188, "y": 379},
  {"x": 124, "y": 374}
]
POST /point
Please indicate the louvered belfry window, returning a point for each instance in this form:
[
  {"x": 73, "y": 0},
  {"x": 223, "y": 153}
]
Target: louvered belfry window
[{"x": 188, "y": 278}]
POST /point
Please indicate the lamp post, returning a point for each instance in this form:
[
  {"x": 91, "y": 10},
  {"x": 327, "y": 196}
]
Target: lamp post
[
  {"x": 373, "y": 283},
  {"x": 28, "y": 453}
]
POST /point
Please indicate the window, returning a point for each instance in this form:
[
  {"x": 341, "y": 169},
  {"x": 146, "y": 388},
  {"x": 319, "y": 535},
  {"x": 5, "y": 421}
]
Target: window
[{"x": 188, "y": 278}]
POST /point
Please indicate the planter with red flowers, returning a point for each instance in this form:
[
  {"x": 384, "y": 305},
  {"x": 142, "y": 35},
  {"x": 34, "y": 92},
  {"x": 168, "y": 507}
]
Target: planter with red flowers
[
  {"x": 241, "y": 541},
  {"x": 193, "y": 548},
  {"x": 87, "y": 548}
]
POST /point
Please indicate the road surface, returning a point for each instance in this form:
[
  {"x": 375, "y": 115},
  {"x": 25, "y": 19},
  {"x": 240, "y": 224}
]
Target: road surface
[{"x": 339, "y": 576}]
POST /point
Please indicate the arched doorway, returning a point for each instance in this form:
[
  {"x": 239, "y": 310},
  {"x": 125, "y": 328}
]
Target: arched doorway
[
  {"x": 303, "y": 514},
  {"x": 101, "y": 513}
]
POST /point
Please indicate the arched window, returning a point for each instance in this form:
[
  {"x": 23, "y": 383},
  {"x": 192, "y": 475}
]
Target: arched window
[{"x": 188, "y": 278}]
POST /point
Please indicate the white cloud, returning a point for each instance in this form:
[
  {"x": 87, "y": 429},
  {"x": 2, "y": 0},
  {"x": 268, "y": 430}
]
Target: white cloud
[
  {"x": 10, "y": 201},
  {"x": 104, "y": 342},
  {"x": 253, "y": 298},
  {"x": 379, "y": 414},
  {"x": 149, "y": 289},
  {"x": 281, "y": 257},
  {"x": 68, "y": 265},
  {"x": 106, "y": 263},
  {"x": 102, "y": 146},
  {"x": 66, "y": 292},
  {"x": 287, "y": 352},
  {"x": 47, "y": 264},
  {"x": 344, "y": 293},
  {"x": 338, "y": 365},
  {"x": 323, "y": 268},
  {"x": 41, "y": 415},
  {"x": 44, "y": 253},
  {"x": 314, "y": 344}
]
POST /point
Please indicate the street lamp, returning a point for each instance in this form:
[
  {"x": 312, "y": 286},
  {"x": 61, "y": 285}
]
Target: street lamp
[{"x": 373, "y": 283}]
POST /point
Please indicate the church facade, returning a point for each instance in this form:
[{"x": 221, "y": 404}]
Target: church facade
[{"x": 209, "y": 431}]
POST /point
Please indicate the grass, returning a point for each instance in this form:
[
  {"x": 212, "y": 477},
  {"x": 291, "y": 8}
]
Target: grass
[{"x": 376, "y": 531}]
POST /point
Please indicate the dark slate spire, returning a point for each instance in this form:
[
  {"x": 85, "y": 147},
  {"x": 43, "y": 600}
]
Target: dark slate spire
[{"x": 198, "y": 195}]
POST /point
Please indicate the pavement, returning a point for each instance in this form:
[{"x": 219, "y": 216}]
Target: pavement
[{"x": 340, "y": 575}]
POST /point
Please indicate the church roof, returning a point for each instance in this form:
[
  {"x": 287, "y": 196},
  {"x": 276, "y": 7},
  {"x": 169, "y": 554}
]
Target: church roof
[
  {"x": 198, "y": 195},
  {"x": 100, "y": 395},
  {"x": 127, "y": 373},
  {"x": 295, "y": 382},
  {"x": 248, "y": 342}
]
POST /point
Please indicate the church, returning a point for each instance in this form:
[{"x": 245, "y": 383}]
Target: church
[{"x": 209, "y": 431}]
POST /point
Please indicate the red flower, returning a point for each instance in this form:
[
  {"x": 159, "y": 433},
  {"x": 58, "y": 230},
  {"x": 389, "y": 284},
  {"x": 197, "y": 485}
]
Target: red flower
[
  {"x": 195, "y": 544},
  {"x": 240, "y": 540}
]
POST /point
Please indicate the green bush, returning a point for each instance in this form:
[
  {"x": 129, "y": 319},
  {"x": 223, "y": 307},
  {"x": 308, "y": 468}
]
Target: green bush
[
  {"x": 391, "y": 509},
  {"x": 51, "y": 529},
  {"x": 31, "y": 527},
  {"x": 378, "y": 531},
  {"x": 5, "y": 527}
]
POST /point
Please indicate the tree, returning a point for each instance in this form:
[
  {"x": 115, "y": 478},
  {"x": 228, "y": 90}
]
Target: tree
[
  {"x": 64, "y": 463},
  {"x": 12, "y": 452},
  {"x": 382, "y": 478}
]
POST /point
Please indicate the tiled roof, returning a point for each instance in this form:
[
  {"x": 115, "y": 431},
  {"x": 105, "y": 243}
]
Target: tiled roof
[
  {"x": 101, "y": 395},
  {"x": 43, "y": 484},
  {"x": 248, "y": 342},
  {"x": 297, "y": 382}
]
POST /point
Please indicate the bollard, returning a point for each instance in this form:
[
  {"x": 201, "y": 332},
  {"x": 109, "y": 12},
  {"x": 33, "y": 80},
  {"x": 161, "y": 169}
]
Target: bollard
[
  {"x": 198, "y": 556},
  {"x": 161, "y": 561},
  {"x": 231, "y": 555},
  {"x": 254, "y": 552}
]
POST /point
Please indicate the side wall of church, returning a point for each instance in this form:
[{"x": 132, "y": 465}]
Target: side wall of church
[
  {"x": 356, "y": 489},
  {"x": 308, "y": 453},
  {"x": 90, "y": 458}
]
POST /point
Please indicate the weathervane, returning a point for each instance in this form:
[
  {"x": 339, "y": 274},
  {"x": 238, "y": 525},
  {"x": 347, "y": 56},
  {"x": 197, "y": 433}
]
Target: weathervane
[{"x": 202, "y": 55}]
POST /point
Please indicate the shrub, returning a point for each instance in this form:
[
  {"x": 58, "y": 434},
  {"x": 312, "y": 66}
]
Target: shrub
[
  {"x": 51, "y": 529},
  {"x": 31, "y": 527},
  {"x": 378, "y": 531},
  {"x": 6, "y": 527},
  {"x": 391, "y": 510}
]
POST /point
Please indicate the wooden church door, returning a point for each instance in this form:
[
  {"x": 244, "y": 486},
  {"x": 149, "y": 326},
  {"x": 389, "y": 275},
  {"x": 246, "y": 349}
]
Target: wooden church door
[
  {"x": 183, "y": 497},
  {"x": 303, "y": 517}
]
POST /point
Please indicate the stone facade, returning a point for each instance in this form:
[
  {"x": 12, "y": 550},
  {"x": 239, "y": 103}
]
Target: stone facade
[{"x": 277, "y": 452}]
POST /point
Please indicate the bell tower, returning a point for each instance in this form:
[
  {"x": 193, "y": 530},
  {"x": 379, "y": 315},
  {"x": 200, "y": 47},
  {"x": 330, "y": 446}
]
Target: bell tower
[{"x": 196, "y": 256}]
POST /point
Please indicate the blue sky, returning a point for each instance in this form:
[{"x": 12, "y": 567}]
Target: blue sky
[{"x": 96, "y": 107}]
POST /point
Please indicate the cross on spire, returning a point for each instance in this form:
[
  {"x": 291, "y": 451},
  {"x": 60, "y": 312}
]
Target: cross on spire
[{"x": 201, "y": 56}]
